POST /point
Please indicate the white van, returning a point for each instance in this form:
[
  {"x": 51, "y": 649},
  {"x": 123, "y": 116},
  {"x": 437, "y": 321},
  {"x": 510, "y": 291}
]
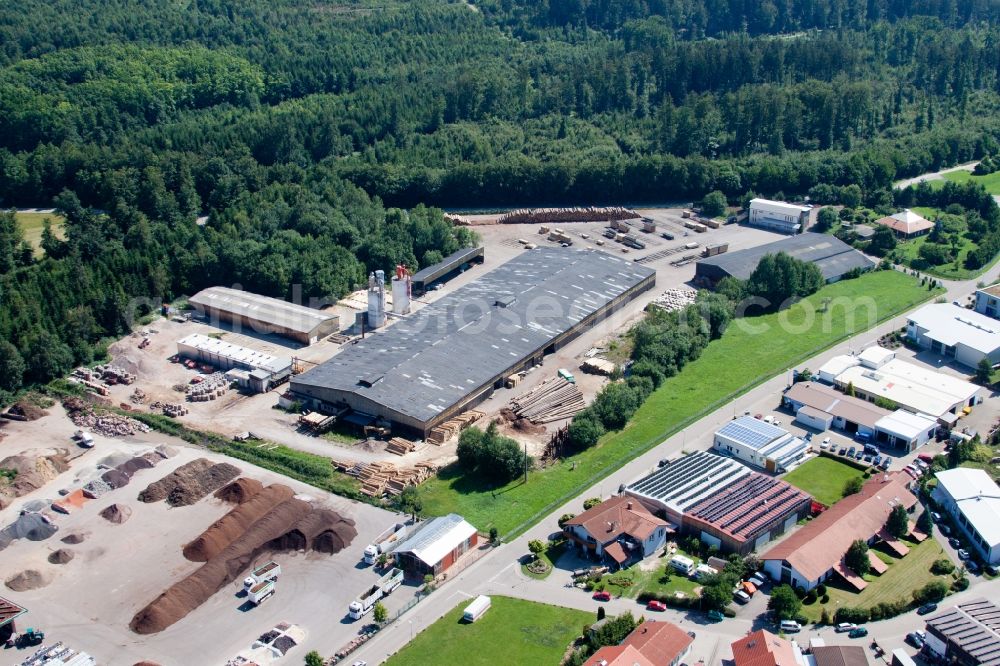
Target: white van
[
  {"x": 475, "y": 610},
  {"x": 685, "y": 565},
  {"x": 703, "y": 570},
  {"x": 790, "y": 626}
]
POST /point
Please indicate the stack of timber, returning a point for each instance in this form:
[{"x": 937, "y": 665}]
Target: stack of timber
[
  {"x": 400, "y": 447},
  {"x": 384, "y": 478},
  {"x": 552, "y": 400},
  {"x": 442, "y": 433}
]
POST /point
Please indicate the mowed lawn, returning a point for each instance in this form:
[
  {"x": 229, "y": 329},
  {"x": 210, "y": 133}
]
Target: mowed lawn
[
  {"x": 823, "y": 478},
  {"x": 903, "y": 577},
  {"x": 31, "y": 225},
  {"x": 512, "y": 632},
  {"x": 750, "y": 352},
  {"x": 990, "y": 181}
]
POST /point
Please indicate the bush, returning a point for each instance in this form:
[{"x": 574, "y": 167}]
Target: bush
[
  {"x": 821, "y": 590},
  {"x": 942, "y": 567},
  {"x": 961, "y": 584},
  {"x": 590, "y": 503},
  {"x": 933, "y": 591},
  {"x": 848, "y": 614},
  {"x": 565, "y": 518},
  {"x": 853, "y": 486}
]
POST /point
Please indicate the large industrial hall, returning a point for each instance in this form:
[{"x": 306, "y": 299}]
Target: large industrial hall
[{"x": 452, "y": 354}]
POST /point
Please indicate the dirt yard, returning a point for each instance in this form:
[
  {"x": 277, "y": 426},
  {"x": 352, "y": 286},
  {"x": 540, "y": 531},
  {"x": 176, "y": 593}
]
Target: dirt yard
[{"x": 94, "y": 574}]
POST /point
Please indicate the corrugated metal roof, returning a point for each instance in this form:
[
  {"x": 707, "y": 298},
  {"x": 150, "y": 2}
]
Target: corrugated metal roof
[
  {"x": 973, "y": 626},
  {"x": 435, "y": 358},
  {"x": 686, "y": 481},
  {"x": 436, "y": 538},
  {"x": 446, "y": 265},
  {"x": 270, "y": 311},
  {"x": 831, "y": 255}
]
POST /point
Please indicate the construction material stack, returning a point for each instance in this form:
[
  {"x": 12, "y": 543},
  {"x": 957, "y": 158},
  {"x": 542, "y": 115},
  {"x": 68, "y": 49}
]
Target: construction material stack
[
  {"x": 383, "y": 478},
  {"x": 400, "y": 447},
  {"x": 552, "y": 400},
  {"x": 442, "y": 433}
]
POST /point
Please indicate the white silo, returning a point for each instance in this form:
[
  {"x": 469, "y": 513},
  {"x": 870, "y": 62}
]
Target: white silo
[
  {"x": 376, "y": 299},
  {"x": 401, "y": 291}
]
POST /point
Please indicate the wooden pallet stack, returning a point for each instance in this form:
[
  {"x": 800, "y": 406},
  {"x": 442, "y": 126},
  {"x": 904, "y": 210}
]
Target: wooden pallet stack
[
  {"x": 553, "y": 400},
  {"x": 400, "y": 447},
  {"x": 384, "y": 478},
  {"x": 442, "y": 433}
]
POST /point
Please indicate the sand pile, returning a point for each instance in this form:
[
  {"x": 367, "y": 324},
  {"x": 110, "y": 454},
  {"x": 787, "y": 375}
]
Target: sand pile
[
  {"x": 61, "y": 556},
  {"x": 239, "y": 491},
  {"x": 190, "y": 482},
  {"x": 270, "y": 532},
  {"x": 74, "y": 538},
  {"x": 235, "y": 523},
  {"x": 117, "y": 513},
  {"x": 29, "y": 579},
  {"x": 166, "y": 451},
  {"x": 33, "y": 472},
  {"x": 120, "y": 475},
  {"x": 27, "y": 411},
  {"x": 134, "y": 465},
  {"x": 30, "y": 526}
]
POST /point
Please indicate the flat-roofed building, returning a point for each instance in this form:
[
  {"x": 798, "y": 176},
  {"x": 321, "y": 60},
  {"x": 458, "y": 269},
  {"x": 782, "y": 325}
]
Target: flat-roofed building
[
  {"x": 988, "y": 301},
  {"x": 448, "y": 267},
  {"x": 453, "y": 353},
  {"x": 838, "y": 655},
  {"x": 905, "y": 430},
  {"x": 967, "y": 634},
  {"x": 778, "y": 216},
  {"x": 821, "y": 407},
  {"x": 262, "y": 371},
  {"x": 264, "y": 314},
  {"x": 972, "y": 499},
  {"x": 955, "y": 332},
  {"x": 760, "y": 443}
]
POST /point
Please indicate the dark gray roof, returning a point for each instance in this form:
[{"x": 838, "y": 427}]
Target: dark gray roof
[
  {"x": 833, "y": 256},
  {"x": 272, "y": 311},
  {"x": 447, "y": 265},
  {"x": 433, "y": 359},
  {"x": 688, "y": 480},
  {"x": 974, "y": 626}
]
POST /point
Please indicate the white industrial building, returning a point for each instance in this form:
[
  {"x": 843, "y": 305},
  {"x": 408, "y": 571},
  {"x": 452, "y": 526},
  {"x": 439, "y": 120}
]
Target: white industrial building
[
  {"x": 972, "y": 499},
  {"x": 778, "y": 216},
  {"x": 955, "y": 332},
  {"x": 263, "y": 371},
  {"x": 876, "y": 372},
  {"x": 264, "y": 314},
  {"x": 988, "y": 301},
  {"x": 761, "y": 444}
]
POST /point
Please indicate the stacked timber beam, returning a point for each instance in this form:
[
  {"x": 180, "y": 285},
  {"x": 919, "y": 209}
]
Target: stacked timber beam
[
  {"x": 552, "y": 400},
  {"x": 384, "y": 478},
  {"x": 442, "y": 433},
  {"x": 400, "y": 447}
]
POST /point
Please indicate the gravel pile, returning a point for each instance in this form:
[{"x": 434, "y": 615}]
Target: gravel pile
[
  {"x": 30, "y": 526},
  {"x": 96, "y": 488}
]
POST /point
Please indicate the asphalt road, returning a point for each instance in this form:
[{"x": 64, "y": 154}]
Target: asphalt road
[{"x": 498, "y": 572}]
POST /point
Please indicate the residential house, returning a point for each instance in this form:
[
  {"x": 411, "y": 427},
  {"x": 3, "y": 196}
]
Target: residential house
[
  {"x": 652, "y": 643},
  {"x": 620, "y": 530}
]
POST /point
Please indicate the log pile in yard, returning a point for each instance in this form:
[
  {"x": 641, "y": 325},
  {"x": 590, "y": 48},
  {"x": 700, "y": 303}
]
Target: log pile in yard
[
  {"x": 384, "y": 478},
  {"x": 400, "y": 447},
  {"x": 561, "y": 215},
  {"x": 552, "y": 400},
  {"x": 442, "y": 433}
]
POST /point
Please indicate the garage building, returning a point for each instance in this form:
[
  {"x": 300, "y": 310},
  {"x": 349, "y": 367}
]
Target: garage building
[
  {"x": 452, "y": 354},
  {"x": 434, "y": 546},
  {"x": 264, "y": 314},
  {"x": 831, "y": 255}
]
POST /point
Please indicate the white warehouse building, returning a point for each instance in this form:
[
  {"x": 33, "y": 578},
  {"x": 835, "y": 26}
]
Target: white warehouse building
[
  {"x": 972, "y": 499},
  {"x": 263, "y": 371},
  {"x": 760, "y": 443},
  {"x": 956, "y": 332},
  {"x": 778, "y": 216}
]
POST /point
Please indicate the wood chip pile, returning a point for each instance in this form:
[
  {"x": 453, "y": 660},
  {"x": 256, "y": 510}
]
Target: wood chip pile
[
  {"x": 552, "y": 400},
  {"x": 384, "y": 478},
  {"x": 400, "y": 447},
  {"x": 442, "y": 433}
]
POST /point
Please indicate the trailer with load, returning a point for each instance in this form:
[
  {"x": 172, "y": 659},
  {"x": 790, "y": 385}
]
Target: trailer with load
[
  {"x": 383, "y": 587},
  {"x": 265, "y": 572},
  {"x": 261, "y": 592},
  {"x": 383, "y": 542},
  {"x": 714, "y": 249}
]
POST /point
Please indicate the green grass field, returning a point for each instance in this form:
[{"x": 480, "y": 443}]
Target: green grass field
[
  {"x": 512, "y": 631},
  {"x": 823, "y": 478},
  {"x": 991, "y": 181},
  {"x": 31, "y": 225},
  {"x": 903, "y": 577},
  {"x": 750, "y": 352}
]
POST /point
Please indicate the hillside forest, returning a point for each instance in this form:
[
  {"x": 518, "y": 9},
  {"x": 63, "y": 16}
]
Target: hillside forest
[{"x": 318, "y": 138}]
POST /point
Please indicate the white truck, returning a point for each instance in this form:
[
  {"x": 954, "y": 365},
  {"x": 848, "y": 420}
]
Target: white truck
[
  {"x": 383, "y": 542},
  {"x": 264, "y": 573},
  {"x": 382, "y": 588},
  {"x": 260, "y": 592}
]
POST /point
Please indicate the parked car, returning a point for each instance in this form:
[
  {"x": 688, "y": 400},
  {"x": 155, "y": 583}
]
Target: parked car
[
  {"x": 757, "y": 579},
  {"x": 945, "y": 530},
  {"x": 842, "y": 451},
  {"x": 741, "y": 597},
  {"x": 954, "y": 543},
  {"x": 859, "y": 455},
  {"x": 867, "y": 458},
  {"x": 602, "y": 596},
  {"x": 656, "y": 605},
  {"x": 973, "y": 567},
  {"x": 877, "y": 461},
  {"x": 845, "y": 627},
  {"x": 825, "y": 444},
  {"x": 914, "y": 639},
  {"x": 963, "y": 554},
  {"x": 935, "y": 516},
  {"x": 886, "y": 462},
  {"x": 715, "y": 616},
  {"x": 860, "y": 632},
  {"x": 927, "y": 608},
  {"x": 850, "y": 452}
]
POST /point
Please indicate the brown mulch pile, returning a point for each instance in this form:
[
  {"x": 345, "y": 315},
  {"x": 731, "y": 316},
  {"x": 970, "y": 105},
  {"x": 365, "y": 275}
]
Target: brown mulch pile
[
  {"x": 190, "y": 482},
  {"x": 29, "y": 411},
  {"x": 74, "y": 538},
  {"x": 29, "y": 579},
  {"x": 61, "y": 556},
  {"x": 117, "y": 513},
  {"x": 240, "y": 490},
  {"x": 234, "y": 524}
]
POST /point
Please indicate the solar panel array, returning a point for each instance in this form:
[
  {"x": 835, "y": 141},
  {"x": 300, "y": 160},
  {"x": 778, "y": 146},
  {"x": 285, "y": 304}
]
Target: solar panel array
[
  {"x": 751, "y": 432},
  {"x": 687, "y": 480},
  {"x": 974, "y": 628},
  {"x": 745, "y": 507}
]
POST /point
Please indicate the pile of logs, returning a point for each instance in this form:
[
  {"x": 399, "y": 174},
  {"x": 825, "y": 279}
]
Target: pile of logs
[
  {"x": 400, "y": 447},
  {"x": 384, "y": 478},
  {"x": 552, "y": 400},
  {"x": 561, "y": 215},
  {"x": 442, "y": 433}
]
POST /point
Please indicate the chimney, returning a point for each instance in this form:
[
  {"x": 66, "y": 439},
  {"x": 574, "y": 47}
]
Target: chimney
[{"x": 628, "y": 505}]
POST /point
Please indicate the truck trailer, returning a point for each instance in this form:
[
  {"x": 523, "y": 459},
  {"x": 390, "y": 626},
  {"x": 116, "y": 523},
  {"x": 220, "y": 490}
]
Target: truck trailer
[
  {"x": 383, "y": 542},
  {"x": 261, "y": 592},
  {"x": 383, "y": 587},
  {"x": 265, "y": 572}
]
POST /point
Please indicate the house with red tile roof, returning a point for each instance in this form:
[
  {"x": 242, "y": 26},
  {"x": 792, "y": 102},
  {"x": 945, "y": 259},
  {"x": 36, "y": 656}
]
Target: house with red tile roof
[
  {"x": 906, "y": 224},
  {"x": 652, "y": 643},
  {"x": 815, "y": 552},
  {"x": 620, "y": 530},
  {"x": 762, "y": 648}
]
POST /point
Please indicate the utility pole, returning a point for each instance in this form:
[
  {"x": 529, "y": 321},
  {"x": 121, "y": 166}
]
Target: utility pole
[{"x": 525, "y": 462}]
